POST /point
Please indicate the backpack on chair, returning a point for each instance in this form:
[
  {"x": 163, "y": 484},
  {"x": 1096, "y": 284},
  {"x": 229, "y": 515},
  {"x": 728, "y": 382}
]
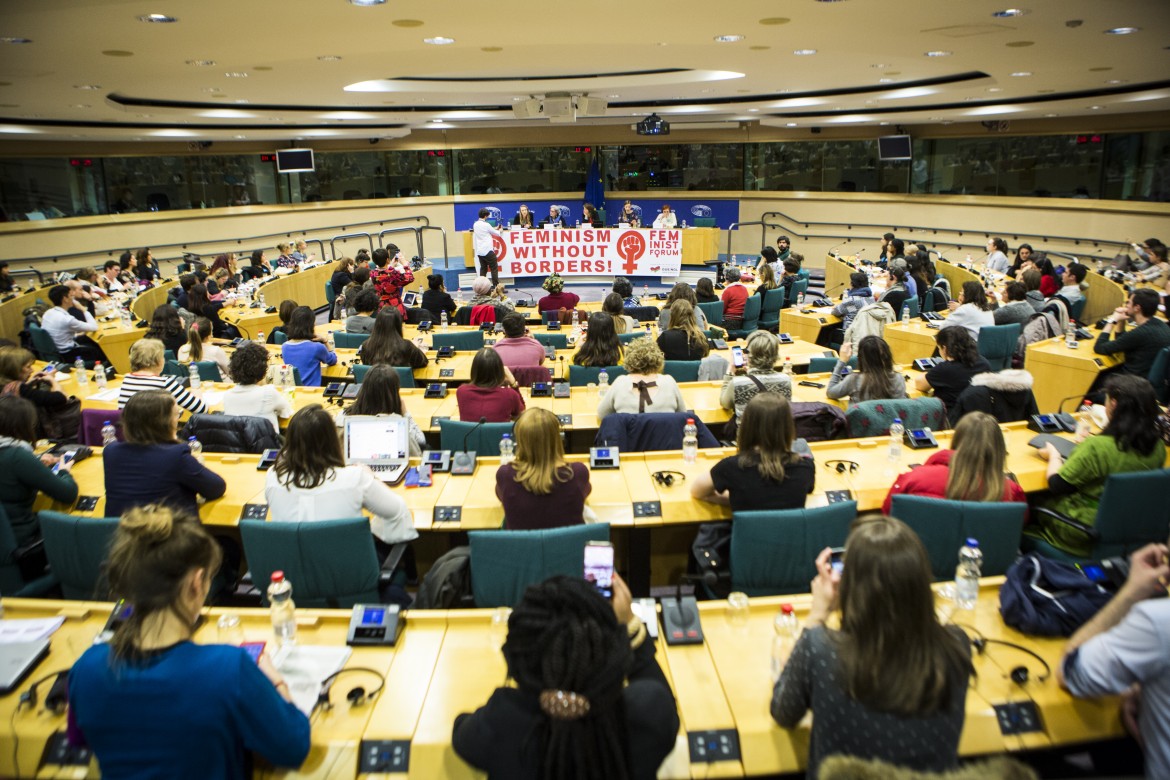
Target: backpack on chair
[{"x": 1049, "y": 323}]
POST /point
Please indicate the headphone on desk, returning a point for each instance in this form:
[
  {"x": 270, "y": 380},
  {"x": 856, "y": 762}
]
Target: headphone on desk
[
  {"x": 357, "y": 695},
  {"x": 667, "y": 478},
  {"x": 1020, "y": 675},
  {"x": 56, "y": 699},
  {"x": 841, "y": 465}
]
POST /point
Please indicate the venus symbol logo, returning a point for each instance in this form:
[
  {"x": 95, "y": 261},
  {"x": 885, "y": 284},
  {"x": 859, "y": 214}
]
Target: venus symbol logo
[
  {"x": 500, "y": 247},
  {"x": 630, "y": 246}
]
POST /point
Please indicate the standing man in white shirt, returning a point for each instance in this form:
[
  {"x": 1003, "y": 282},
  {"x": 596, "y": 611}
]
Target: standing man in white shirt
[
  {"x": 665, "y": 220},
  {"x": 65, "y": 328},
  {"x": 481, "y": 233}
]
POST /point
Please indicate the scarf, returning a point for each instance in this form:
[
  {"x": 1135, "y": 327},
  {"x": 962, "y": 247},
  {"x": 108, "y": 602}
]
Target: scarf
[
  {"x": 644, "y": 394},
  {"x": 8, "y": 441}
]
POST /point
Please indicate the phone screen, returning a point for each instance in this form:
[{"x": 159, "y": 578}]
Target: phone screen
[
  {"x": 837, "y": 560},
  {"x": 1094, "y": 573},
  {"x": 254, "y": 650},
  {"x": 599, "y": 567},
  {"x": 737, "y": 356}
]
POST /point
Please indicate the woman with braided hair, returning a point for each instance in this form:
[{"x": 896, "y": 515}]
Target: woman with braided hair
[{"x": 571, "y": 716}]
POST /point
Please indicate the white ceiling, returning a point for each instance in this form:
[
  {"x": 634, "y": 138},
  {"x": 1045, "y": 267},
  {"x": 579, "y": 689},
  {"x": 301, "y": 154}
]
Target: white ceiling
[{"x": 269, "y": 80}]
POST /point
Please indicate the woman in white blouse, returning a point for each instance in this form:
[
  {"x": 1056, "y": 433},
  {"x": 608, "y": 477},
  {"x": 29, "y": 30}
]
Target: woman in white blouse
[{"x": 251, "y": 396}]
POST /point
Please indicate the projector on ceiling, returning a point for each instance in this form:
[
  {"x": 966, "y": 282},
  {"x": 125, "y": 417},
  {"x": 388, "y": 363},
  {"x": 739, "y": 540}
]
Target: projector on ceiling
[{"x": 653, "y": 125}]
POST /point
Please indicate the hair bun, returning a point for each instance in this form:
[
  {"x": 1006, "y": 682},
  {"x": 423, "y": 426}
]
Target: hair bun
[{"x": 152, "y": 523}]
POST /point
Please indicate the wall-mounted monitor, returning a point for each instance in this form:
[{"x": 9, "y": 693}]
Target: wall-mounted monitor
[
  {"x": 294, "y": 160},
  {"x": 894, "y": 147}
]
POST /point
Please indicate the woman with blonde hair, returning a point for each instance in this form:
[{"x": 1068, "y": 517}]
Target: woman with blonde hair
[
  {"x": 972, "y": 470},
  {"x": 198, "y": 349},
  {"x": 683, "y": 340},
  {"x": 681, "y": 292},
  {"x": 643, "y": 388},
  {"x": 767, "y": 276},
  {"x": 760, "y": 376},
  {"x": 540, "y": 489},
  {"x": 286, "y": 260},
  {"x": 614, "y": 306}
]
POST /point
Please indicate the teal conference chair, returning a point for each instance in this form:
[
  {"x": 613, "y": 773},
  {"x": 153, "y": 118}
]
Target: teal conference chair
[
  {"x": 1160, "y": 376},
  {"x": 176, "y": 369},
  {"x": 1076, "y": 309},
  {"x": 77, "y": 548},
  {"x": 345, "y": 340},
  {"x": 43, "y": 343},
  {"x": 331, "y": 563},
  {"x": 707, "y": 222},
  {"x": 330, "y": 296},
  {"x": 821, "y": 365},
  {"x": 751, "y": 317},
  {"x": 504, "y": 563},
  {"x": 1133, "y": 512},
  {"x": 483, "y": 440},
  {"x": 713, "y": 311},
  {"x": 997, "y": 343},
  {"x": 465, "y": 341},
  {"x": 554, "y": 340},
  {"x": 682, "y": 370},
  {"x": 944, "y": 526},
  {"x": 626, "y": 338},
  {"x": 580, "y": 376},
  {"x": 910, "y": 304},
  {"x": 798, "y": 288},
  {"x": 405, "y": 375},
  {"x": 279, "y": 337},
  {"x": 208, "y": 370},
  {"x": 12, "y": 583},
  {"x": 770, "y": 310},
  {"x": 774, "y": 552}
]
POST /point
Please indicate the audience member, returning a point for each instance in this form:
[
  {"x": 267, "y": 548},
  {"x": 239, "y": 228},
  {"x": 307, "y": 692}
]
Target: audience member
[
  {"x": 198, "y": 349},
  {"x": 436, "y": 299},
  {"x": 1074, "y": 276},
  {"x": 625, "y": 289},
  {"x": 766, "y": 277},
  {"x": 857, "y": 297},
  {"x": 343, "y": 276},
  {"x": 557, "y": 298},
  {"x": 760, "y": 376},
  {"x": 997, "y": 255},
  {"x": 960, "y": 361},
  {"x": 152, "y": 466},
  {"x": 199, "y": 304},
  {"x": 146, "y": 366},
  {"x": 971, "y": 311},
  {"x": 343, "y": 305},
  {"x": 683, "y": 340},
  {"x": 365, "y": 304},
  {"x": 67, "y": 331},
  {"x": 1031, "y": 279},
  {"x": 1024, "y": 260},
  {"x": 643, "y": 388},
  {"x": 304, "y": 349},
  {"x": 875, "y": 378},
  {"x": 492, "y": 393},
  {"x": 285, "y": 261},
  {"x": 284, "y": 312},
  {"x": 1141, "y": 345},
  {"x": 23, "y": 475},
  {"x": 1049, "y": 281},
  {"x": 897, "y": 293},
  {"x": 387, "y": 345},
  {"x": 705, "y": 290},
  {"x": 891, "y": 682},
  {"x": 615, "y": 308},
  {"x": 40, "y": 388},
  {"x": 683, "y": 291},
  {"x": 540, "y": 489},
  {"x": 735, "y": 296},
  {"x": 251, "y": 395},
  {"x": 517, "y": 348},
  {"x": 1016, "y": 308},
  {"x": 380, "y": 394},
  {"x": 146, "y": 268},
  {"x": 601, "y": 346},
  {"x": 391, "y": 275}
]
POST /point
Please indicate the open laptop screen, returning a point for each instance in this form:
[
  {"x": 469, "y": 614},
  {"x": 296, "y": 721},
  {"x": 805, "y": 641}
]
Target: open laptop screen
[
  {"x": 410, "y": 299},
  {"x": 381, "y": 439}
]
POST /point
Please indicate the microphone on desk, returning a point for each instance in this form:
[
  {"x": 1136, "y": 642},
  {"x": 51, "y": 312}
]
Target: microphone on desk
[
  {"x": 1060, "y": 406},
  {"x": 833, "y": 250},
  {"x": 531, "y": 298},
  {"x": 463, "y": 462},
  {"x": 561, "y": 360}
]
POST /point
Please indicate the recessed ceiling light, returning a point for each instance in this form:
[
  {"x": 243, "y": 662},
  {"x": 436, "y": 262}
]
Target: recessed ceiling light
[
  {"x": 15, "y": 40},
  {"x": 1116, "y": 81},
  {"x": 366, "y": 3},
  {"x": 1050, "y": 116},
  {"x": 158, "y": 19},
  {"x": 80, "y": 105},
  {"x": 407, "y": 23},
  {"x": 1009, "y": 12},
  {"x": 728, "y": 38},
  {"x": 238, "y": 101},
  {"x": 938, "y": 53},
  {"x": 439, "y": 40},
  {"x": 329, "y": 58},
  {"x": 804, "y": 52},
  {"x": 753, "y": 110},
  {"x": 89, "y": 87},
  {"x": 790, "y": 124},
  {"x": 995, "y": 89},
  {"x": 1019, "y": 74},
  {"x": 885, "y": 81},
  {"x": 936, "y": 119},
  {"x": 201, "y": 63},
  {"x": 236, "y": 74},
  {"x": 1094, "y": 108},
  {"x": 704, "y": 91},
  {"x": 1123, "y": 31},
  {"x": 774, "y": 20},
  {"x": 239, "y": 136},
  {"x": 612, "y": 97}
]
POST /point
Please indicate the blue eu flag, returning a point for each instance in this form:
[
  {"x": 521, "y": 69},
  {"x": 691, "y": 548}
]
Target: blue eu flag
[{"x": 595, "y": 185}]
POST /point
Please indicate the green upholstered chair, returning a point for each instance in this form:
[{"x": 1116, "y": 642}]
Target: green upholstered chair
[
  {"x": 1133, "y": 512},
  {"x": 770, "y": 309},
  {"x": 208, "y": 370},
  {"x": 821, "y": 365},
  {"x": 775, "y": 552},
  {"x": 682, "y": 370},
  {"x": 43, "y": 343},
  {"x": 579, "y": 376},
  {"x": 169, "y": 354},
  {"x": 77, "y": 548},
  {"x": 360, "y": 370},
  {"x": 465, "y": 341},
  {"x": 330, "y": 296},
  {"x": 484, "y": 440},
  {"x": 751, "y": 318},
  {"x": 331, "y": 563},
  {"x": 713, "y": 312},
  {"x": 944, "y": 526},
  {"x": 910, "y": 303},
  {"x": 873, "y": 418},
  {"x": 626, "y": 338},
  {"x": 504, "y": 563},
  {"x": 1075, "y": 310},
  {"x": 176, "y": 369},
  {"x": 798, "y": 288},
  {"x": 345, "y": 340},
  {"x": 997, "y": 343},
  {"x": 12, "y": 583},
  {"x": 1160, "y": 376},
  {"x": 554, "y": 340},
  {"x": 279, "y": 337},
  {"x": 405, "y": 375}
]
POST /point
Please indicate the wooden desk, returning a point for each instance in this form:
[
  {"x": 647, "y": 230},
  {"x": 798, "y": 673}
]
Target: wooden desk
[
  {"x": 699, "y": 246},
  {"x": 12, "y": 311},
  {"x": 807, "y": 323},
  {"x": 145, "y": 304},
  {"x": 957, "y": 276},
  {"x": 115, "y": 339},
  {"x": 910, "y": 342},
  {"x": 1062, "y": 372},
  {"x": 1103, "y": 296}
]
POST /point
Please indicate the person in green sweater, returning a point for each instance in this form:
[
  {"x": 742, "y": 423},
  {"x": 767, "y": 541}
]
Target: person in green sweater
[
  {"x": 22, "y": 474},
  {"x": 1129, "y": 442}
]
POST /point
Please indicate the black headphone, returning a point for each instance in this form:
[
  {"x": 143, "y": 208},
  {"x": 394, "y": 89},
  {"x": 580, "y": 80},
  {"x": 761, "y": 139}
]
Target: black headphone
[
  {"x": 357, "y": 695},
  {"x": 56, "y": 699},
  {"x": 1019, "y": 674},
  {"x": 667, "y": 477},
  {"x": 841, "y": 465}
]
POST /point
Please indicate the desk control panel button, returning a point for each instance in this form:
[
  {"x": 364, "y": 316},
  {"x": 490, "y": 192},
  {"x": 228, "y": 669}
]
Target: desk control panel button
[
  {"x": 647, "y": 509},
  {"x": 447, "y": 514},
  {"x": 384, "y": 755},
  {"x": 715, "y": 745}
]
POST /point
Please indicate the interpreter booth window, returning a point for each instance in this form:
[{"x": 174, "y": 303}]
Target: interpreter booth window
[
  {"x": 519, "y": 170},
  {"x": 1054, "y": 166},
  {"x": 824, "y": 166},
  {"x": 370, "y": 174},
  {"x": 676, "y": 167},
  {"x": 1137, "y": 167},
  {"x": 136, "y": 184},
  {"x": 42, "y": 188}
]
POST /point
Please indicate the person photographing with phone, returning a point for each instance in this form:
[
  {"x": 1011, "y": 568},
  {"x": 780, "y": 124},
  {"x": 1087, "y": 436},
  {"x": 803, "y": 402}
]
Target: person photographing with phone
[
  {"x": 482, "y": 234},
  {"x": 390, "y": 276}
]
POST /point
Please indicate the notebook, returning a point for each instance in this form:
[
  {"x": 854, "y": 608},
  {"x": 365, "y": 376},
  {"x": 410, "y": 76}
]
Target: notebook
[
  {"x": 380, "y": 442},
  {"x": 17, "y": 659}
]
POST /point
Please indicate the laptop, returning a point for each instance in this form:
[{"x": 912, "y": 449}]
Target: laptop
[
  {"x": 17, "y": 659},
  {"x": 380, "y": 442},
  {"x": 410, "y": 299}
]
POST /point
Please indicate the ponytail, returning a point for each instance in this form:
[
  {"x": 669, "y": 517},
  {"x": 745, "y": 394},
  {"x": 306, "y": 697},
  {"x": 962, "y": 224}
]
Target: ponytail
[{"x": 200, "y": 330}]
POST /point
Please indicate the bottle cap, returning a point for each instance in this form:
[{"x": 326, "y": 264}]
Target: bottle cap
[
  {"x": 190, "y": 438},
  {"x": 278, "y": 576},
  {"x": 786, "y": 609},
  {"x": 107, "y": 422},
  {"x": 690, "y": 421},
  {"x": 898, "y": 420},
  {"x": 972, "y": 542}
]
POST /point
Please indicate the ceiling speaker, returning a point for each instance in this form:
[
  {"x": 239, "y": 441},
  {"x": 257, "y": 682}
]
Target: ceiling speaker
[
  {"x": 591, "y": 106},
  {"x": 526, "y": 109},
  {"x": 558, "y": 108}
]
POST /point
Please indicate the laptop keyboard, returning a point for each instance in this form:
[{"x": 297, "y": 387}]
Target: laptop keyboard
[{"x": 388, "y": 472}]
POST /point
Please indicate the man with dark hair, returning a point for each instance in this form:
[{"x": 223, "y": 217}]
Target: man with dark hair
[
  {"x": 482, "y": 235},
  {"x": 186, "y": 282},
  {"x": 1074, "y": 274},
  {"x": 381, "y": 257},
  {"x": 517, "y": 349},
  {"x": 1016, "y": 308},
  {"x": 1142, "y": 344},
  {"x": 783, "y": 249},
  {"x": 64, "y": 327},
  {"x": 6, "y": 283}
]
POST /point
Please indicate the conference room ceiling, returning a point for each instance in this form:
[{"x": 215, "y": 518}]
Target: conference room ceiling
[{"x": 227, "y": 70}]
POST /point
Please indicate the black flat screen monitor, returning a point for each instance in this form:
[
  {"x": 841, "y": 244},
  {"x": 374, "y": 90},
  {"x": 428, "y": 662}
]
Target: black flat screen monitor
[
  {"x": 294, "y": 160},
  {"x": 894, "y": 147}
]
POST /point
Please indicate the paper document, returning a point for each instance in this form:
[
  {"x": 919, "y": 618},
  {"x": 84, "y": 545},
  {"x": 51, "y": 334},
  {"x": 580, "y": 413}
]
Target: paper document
[
  {"x": 109, "y": 394},
  {"x": 305, "y": 667},
  {"x": 28, "y": 630}
]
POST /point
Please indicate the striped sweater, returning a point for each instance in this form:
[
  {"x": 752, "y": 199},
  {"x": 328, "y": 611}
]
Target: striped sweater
[{"x": 134, "y": 383}]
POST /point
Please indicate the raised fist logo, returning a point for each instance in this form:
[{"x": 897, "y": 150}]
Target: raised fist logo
[
  {"x": 630, "y": 246},
  {"x": 500, "y": 247}
]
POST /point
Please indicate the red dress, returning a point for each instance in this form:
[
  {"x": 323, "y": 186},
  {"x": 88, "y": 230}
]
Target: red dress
[{"x": 388, "y": 282}]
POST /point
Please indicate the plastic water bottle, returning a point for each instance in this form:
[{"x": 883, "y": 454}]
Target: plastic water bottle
[
  {"x": 787, "y": 366},
  {"x": 787, "y": 632},
  {"x": 507, "y": 449},
  {"x": 578, "y": 225},
  {"x": 331, "y": 341},
  {"x": 260, "y": 337},
  {"x": 109, "y": 433},
  {"x": 602, "y": 382},
  {"x": 283, "y": 609},
  {"x": 193, "y": 372},
  {"x": 690, "y": 441},
  {"x": 263, "y": 303},
  {"x": 443, "y": 318},
  {"x": 684, "y": 223},
  {"x": 127, "y": 320},
  {"x": 79, "y": 372},
  {"x": 645, "y": 293},
  {"x": 99, "y": 375},
  {"x": 1085, "y": 421},
  {"x": 896, "y": 431},
  {"x": 196, "y": 447},
  {"x": 967, "y": 575},
  {"x": 905, "y": 315},
  {"x": 1070, "y": 336}
]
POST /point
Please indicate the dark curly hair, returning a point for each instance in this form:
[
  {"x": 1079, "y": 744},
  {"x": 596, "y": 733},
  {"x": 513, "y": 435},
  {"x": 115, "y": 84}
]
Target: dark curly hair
[
  {"x": 623, "y": 287},
  {"x": 959, "y": 344},
  {"x": 248, "y": 364}
]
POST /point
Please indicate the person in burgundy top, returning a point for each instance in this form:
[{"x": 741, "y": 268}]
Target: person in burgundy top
[
  {"x": 390, "y": 275},
  {"x": 517, "y": 348},
  {"x": 491, "y": 395},
  {"x": 539, "y": 489},
  {"x": 557, "y": 298},
  {"x": 735, "y": 296}
]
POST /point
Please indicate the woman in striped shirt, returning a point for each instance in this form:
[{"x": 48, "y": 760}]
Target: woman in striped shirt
[{"x": 146, "y": 365}]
